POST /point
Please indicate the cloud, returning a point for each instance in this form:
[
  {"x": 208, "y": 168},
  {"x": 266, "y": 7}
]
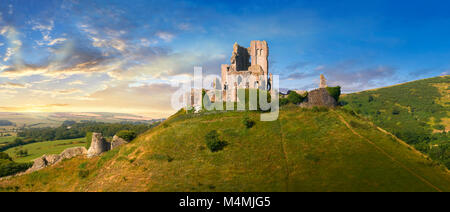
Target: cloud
[
  {"x": 296, "y": 66},
  {"x": 146, "y": 43},
  {"x": 69, "y": 91},
  {"x": 9, "y": 53},
  {"x": 76, "y": 82},
  {"x": 42, "y": 26},
  {"x": 18, "y": 71},
  {"x": 33, "y": 108},
  {"x": 299, "y": 75},
  {"x": 318, "y": 68},
  {"x": 351, "y": 75},
  {"x": 56, "y": 41},
  {"x": 10, "y": 9},
  {"x": 153, "y": 98},
  {"x": 13, "y": 85},
  {"x": 166, "y": 36},
  {"x": 13, "y": 39}
]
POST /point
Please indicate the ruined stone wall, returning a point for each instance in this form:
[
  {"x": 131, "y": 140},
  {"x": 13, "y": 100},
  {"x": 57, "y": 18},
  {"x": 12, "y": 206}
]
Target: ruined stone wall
[
  {"x": 240, "y": 58},
  {"x": 319, "y": 97}
]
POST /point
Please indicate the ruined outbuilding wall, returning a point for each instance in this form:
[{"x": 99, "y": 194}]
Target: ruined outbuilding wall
[{"x": 319, "y": 97}]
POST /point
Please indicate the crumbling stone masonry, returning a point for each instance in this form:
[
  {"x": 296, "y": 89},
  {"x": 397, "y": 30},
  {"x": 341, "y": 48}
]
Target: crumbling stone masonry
[{"x": 248, "y": 68}]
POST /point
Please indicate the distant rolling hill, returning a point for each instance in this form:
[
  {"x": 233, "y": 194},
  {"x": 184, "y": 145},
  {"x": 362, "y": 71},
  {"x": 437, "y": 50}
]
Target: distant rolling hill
[
  {"x": 417, "y": 112},
  {"x": 41, "y": 119},
  {"x": 304, "y": 150}
]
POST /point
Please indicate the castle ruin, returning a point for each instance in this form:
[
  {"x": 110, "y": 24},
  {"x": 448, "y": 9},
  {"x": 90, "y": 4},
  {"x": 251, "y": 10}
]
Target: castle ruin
[{"x": 248, "y": 68}]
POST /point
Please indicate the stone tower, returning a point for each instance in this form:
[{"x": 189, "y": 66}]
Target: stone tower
[
  {"x": 248, "y": 68},
  {"x": 259, "y": 53},
  {"x": 323, "y": 82}
]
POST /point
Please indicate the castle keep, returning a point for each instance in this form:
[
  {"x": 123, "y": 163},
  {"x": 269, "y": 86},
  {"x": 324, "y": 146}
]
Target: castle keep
[{"x": 248, "y": 68}]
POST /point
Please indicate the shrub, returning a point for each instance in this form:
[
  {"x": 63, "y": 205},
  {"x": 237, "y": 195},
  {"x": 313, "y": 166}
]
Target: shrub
[
  {"x": 5, "y": 156},
  {"x": 8, "y": 167},
  {"x": 395, "y": 111},
  {"x": 127, "y": 135},
  {"x": 22, "y": 153},
  {"x": 294, "y": 97},
  {"x": 248, "y": 122},
  {"x": 439, "y": 127},
  {"x": 312, "y": 157},
  {"x": 213, "y": 142},
  {"x": 283, "y": 101},
  {"x": 335, "y": 92},
  {"x": 83, "y": 173},
  {"x": 319, "y": 109}
]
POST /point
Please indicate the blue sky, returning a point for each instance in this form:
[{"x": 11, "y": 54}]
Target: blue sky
[{"x": 85, "y": 55}]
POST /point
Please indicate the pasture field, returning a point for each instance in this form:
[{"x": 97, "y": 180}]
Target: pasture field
[{"x": 38, "y": 149}]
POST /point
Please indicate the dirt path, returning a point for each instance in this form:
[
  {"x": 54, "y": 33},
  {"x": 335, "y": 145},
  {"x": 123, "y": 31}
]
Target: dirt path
[
  {"x": 286, "y": 158},
  {"x": 387, "y": 154}
]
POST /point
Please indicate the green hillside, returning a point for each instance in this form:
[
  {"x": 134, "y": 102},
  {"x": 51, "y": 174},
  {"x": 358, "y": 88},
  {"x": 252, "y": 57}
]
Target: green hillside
[
  {"x": 417, "y": 112},
  {"x": 304, "y": 150}
]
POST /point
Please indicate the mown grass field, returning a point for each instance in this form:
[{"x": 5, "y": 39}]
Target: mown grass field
[
  {"x": 304, "y": 150},
  {"x": 38, "y": 149}
]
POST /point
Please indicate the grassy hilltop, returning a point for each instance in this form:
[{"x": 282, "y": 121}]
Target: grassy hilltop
[
  {"x": 417, "y": 112},
  {"x": 304, "y": 150}
]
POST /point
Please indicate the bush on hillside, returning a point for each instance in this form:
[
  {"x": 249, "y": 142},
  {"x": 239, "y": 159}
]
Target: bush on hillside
[
  {"x": 295, "y": 98},
  {"x": 284, "y": 101},
  {"x": 83, "y": 173},
  {"x": 213, "y": 142},
  {"x": 335, "y": 92},
  {"x": 22, "y": 153},
  {"x": 127, "y": 135},
  {"x": 4, "y": 156},
  {"x": 248, "y": 122},
  {"x": 319, "y": 109},
  {"x": 8, "y": 167}
]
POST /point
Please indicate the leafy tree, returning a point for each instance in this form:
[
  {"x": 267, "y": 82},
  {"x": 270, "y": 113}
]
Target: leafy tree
[
  {"x": 335, "y": 92},
  {"x": 294, "y": 97},
  {"x": 127, "y": 135}
]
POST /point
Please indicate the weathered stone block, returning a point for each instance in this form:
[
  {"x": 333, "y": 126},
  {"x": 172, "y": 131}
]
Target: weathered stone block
[
  {"x": 117, "y": 141},
  {"x": 98, "y": 145},
  {"x": 319, "y": 97}
]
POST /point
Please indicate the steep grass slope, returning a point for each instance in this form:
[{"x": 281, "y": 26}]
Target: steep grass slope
[
  {"x": 417, "y": 112},
  {"x": 304, "y": 150}
]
